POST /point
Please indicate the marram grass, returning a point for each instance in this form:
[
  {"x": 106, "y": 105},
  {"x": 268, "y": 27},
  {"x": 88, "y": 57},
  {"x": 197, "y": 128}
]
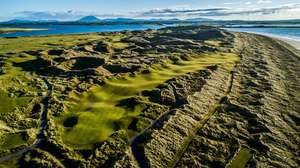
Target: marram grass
[{"x": 96, "y": 113}]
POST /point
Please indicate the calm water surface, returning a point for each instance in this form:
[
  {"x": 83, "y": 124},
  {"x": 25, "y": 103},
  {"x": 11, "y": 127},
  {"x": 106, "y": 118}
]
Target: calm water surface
[
  {"x": 291, "y": 33},
  {"x": 75, "y": 29}
]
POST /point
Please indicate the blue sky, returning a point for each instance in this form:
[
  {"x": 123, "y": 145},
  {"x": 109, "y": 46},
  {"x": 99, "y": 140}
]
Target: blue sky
[{"x": 218, "y": 9}]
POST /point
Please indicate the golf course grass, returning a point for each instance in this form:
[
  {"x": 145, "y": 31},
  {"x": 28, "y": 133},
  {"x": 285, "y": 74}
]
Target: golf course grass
[
  {"x": 95, "y": 115},
  {"x": 11, "y": 30},
  {"x": 51, "y": 42},
  {"x": 241, "y": 159}
]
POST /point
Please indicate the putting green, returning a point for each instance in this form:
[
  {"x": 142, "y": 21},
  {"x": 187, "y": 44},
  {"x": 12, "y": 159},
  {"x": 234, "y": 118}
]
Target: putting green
[{"x": 93, "y": 116}]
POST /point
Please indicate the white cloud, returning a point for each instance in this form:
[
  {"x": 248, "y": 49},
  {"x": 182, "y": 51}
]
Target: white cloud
[
  {"x": 61, "y": 16},
  {"x": 287, "y": 11},
  {"x": 181, "y": 6},
  {"x": 290, "y": 11},
  {"x": 248, "y": 3},
  {"x": 264, "y": 1},
  {"x": 228, "y": 3}
]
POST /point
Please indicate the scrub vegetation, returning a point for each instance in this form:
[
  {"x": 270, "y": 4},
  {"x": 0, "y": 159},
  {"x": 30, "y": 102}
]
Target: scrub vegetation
[{"x": 186, "y": 96}]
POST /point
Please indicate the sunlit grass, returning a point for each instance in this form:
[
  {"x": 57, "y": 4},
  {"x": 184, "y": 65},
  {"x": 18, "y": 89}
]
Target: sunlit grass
[
  {"x": 13, "y": 78},
  {"x": 51, "y": 42},
  {"x": 215, "y": 43},
  {"x": 18, "y": 87},
  {"x": 16, "y": 95},
  {"x": 11, "y": 141},
  {"x": 97, "y": 111},
  {"x": 9, "y": 30},
  {"x": 9, "y": 103},
  {"x": 241, "y": 159}
]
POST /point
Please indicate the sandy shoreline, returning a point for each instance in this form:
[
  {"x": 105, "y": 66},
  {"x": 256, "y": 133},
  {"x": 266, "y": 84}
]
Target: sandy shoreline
[{"x": 294, "y": 43}]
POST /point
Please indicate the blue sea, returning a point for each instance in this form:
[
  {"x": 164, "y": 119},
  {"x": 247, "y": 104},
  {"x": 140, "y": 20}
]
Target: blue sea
[
  {"x": 291, "y": 33},
  {"x": 76, "y": 29}
]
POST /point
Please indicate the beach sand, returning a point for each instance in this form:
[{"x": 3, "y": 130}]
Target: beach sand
[{"x": 294, "y": 43}]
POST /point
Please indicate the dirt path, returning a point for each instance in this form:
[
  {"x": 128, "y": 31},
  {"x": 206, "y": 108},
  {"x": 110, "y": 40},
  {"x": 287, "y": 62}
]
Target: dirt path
[{"x": 40, "y": 134}]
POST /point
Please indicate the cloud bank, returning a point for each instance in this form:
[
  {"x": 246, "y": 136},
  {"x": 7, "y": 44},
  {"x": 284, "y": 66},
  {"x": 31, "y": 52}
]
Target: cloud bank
[
  {"x": 222, "y": 12},
  {"x": 62, "y": 16},
  {"x": 288, "y": 11}
]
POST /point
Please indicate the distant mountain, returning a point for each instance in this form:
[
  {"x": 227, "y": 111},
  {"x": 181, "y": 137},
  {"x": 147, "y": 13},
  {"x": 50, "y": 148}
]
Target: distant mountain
[
  {"x": 88, "y": 19},
  {"x": 93, "y": 19},
  {"x": 18, "y": 21},
  {"x": 120, "y": 20}
]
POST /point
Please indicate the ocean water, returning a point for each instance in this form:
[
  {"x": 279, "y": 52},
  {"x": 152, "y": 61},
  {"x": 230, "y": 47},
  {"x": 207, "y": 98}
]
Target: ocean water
[
  {"x": 76, "y": 29},
  {"x": 255, "y": 25},
  {"x": 290, "y": 33}
]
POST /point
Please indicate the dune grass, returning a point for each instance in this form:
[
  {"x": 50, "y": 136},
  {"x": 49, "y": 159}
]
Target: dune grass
[
  {"x": 14, "y": 78},
  {"x": 95, "y": 114},
  {"x": 19, "y": 87},
  {"x": 8, "y": 103},
  {"x": 11, "y": 141},
  {"x": 215, "y": 43},
  {"x": 16, "y": 94},
  {"x": 241, "y": 159},
  {"x": 52, "y": 42}
]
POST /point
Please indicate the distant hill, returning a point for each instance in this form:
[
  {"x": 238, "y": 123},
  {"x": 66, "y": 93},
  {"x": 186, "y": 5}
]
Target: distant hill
[
  {"x": 93, "y": 19},
  {"x": 88, "y": 19},
  {"x": 18, "y": 21},
  {"x": 120, "y": 20}
]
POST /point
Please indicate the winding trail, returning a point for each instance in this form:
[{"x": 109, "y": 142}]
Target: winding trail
[{"x": 40, "y": 134}]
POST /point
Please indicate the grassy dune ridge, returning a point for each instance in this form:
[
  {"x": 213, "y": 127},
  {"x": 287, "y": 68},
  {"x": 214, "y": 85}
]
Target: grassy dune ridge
[
  {"x": 97, "y": 113},
  {"x": 175, "y": 97}
]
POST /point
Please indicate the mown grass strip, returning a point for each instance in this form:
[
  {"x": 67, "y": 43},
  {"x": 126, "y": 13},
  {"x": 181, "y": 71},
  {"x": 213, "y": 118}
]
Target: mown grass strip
[
  {"x": 96, "y": 115},
  {"x": 241, "y": 158}
]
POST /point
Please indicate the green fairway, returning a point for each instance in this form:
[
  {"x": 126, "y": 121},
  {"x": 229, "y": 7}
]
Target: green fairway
[
  {"x": 241, "y": 159},
  {"x": 19, "y": 88},
  {"x": 50, "y": 42},
  {"x": 94, "y": 115}
]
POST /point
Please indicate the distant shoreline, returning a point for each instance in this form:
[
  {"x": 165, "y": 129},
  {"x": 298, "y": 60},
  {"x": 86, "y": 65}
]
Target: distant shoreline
[
  {"x": 250, "y": 27},
  {"x": 6, "y": 30},
  {"x": 294, "y": 43}
]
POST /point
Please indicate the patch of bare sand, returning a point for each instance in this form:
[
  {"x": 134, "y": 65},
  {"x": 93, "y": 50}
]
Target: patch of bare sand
[{"x": 294, "y": 43}]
